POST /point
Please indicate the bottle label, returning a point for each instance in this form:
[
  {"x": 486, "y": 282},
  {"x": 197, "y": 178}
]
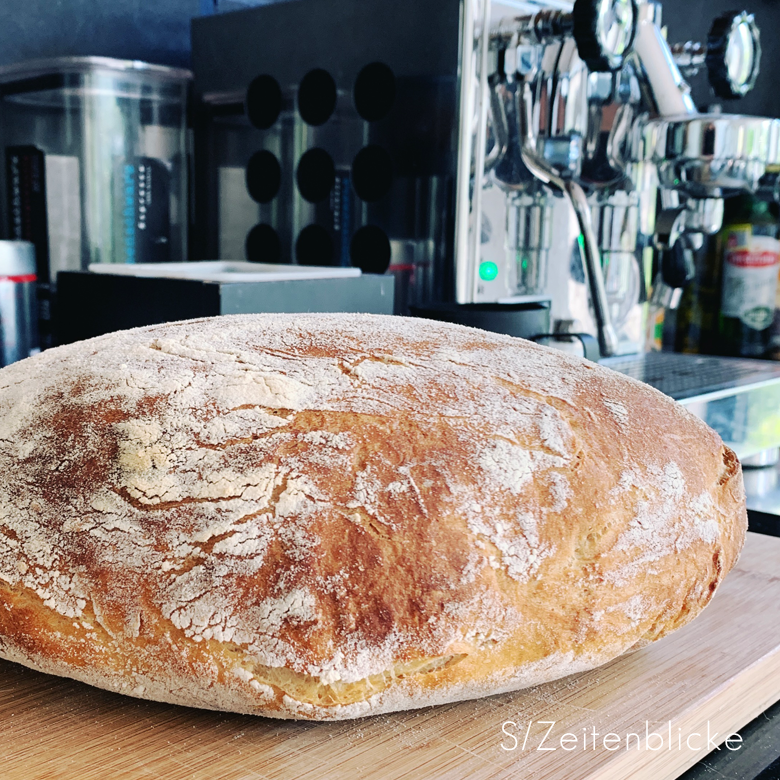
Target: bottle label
[
  {"x": 750, "y": 273},
  {"x": 142, "y": 220}
]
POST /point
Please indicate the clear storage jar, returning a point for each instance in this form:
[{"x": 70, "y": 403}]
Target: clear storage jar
[{"x": 94, "y": 161}]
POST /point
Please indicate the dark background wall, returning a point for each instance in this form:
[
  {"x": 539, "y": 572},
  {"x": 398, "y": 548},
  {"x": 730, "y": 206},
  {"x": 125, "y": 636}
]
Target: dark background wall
[
  {"x": 152, "y": 30},
  {"x": 158, "y": 31}
]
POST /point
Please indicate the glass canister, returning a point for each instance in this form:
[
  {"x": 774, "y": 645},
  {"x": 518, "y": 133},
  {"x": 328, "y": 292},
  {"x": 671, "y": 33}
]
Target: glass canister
[{"x": 94, "y": 161}]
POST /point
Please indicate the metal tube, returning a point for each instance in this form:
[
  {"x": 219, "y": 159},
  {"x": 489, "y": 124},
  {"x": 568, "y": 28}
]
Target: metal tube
[
  {"x": 608, "y": 340},
  {"x": 669, "y": 90},
  {"x": 500, "y": 126}
]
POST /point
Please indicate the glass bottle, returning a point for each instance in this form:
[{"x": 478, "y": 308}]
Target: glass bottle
[
  {"x": 750, "y": 257},
  {"x": 696, "y": 327}
]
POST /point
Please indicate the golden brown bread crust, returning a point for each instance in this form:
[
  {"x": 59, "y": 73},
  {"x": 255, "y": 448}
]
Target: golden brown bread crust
[{"x": 327, "y": 516}]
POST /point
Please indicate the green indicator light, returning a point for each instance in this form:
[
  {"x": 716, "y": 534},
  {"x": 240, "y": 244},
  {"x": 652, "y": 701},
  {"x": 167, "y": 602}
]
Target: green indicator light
[{"x": 488, "y": 271}]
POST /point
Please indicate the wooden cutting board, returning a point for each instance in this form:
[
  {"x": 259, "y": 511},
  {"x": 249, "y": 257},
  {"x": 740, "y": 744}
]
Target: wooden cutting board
[{"x": 722, "y": 669}]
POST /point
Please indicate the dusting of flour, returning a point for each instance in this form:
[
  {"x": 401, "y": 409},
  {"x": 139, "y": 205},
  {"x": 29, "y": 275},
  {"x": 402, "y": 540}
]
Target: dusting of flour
[{"x": 207, "y": 464}]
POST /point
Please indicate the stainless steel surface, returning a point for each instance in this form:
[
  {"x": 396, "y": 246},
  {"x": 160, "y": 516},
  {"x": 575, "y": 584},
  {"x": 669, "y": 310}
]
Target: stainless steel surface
[
  {"x": 738, "y": 398},
  {"x": 704, "y": 215},
  {"x": 548, "y": 145},
  {"x": 762, "y": 490},
  {"x": 18, "y": 304},
  {"x": 567, "y": 121},
  {"x": 668, "y": 90},
  {"x": 549, "y": 119},
  {"x": 669, "y": 226},
  {"x": 481, "y": 112},
  {"x": 616, "y": 29},
  {"x": 768, "y": 457},
  {"x": 538, "y": 151},
  {"x": 554, "y": 115},
  {"x": 707, "y": 153},
  {"x": 743, "y": 53},
  {"x": 689, "y": 56},
  {"x": 466, "y": 260}
]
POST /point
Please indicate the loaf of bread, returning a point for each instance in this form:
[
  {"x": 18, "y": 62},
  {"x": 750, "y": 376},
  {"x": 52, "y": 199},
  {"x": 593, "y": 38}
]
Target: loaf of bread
[{"x": 330, "y": 516}]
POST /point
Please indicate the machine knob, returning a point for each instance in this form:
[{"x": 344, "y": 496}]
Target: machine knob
[
  {"x": 733, "y": 55},
  {"x": 604, "y": 31}
]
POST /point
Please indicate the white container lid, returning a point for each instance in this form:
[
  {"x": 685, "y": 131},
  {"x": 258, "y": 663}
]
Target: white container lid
[{"x": 225, "y": 271}]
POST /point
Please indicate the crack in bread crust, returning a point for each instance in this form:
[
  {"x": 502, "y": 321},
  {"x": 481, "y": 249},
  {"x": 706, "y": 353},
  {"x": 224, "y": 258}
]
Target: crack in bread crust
[{"x": 326, "y": 516}]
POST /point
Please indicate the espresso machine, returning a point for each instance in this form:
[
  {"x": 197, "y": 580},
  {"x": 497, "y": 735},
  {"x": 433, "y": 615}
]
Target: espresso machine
[
  {"x": 537, "y": 168},
  {"x": 588, "y": 139}
]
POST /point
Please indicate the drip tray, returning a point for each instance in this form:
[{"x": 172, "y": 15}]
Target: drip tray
[{"x": 737, "y": 397}]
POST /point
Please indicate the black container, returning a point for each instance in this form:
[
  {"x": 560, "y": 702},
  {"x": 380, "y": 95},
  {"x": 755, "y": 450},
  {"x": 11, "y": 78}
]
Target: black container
[
  {"x": 523, "y": 320},
  {"x": 91, "y": 304}
]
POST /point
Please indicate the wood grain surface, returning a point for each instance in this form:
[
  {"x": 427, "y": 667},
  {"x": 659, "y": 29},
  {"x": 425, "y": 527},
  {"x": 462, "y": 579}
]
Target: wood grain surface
[{"x": 721, "y": 670}]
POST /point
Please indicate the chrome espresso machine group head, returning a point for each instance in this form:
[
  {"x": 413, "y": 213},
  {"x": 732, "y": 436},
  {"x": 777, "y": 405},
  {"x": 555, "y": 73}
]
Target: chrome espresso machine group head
[{"x": 495, "y": 155}]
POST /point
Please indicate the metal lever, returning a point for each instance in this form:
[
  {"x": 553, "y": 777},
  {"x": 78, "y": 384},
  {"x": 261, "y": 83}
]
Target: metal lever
[
  {"x": 669, "y": 226},
  {"x": 677, "y": 265}
]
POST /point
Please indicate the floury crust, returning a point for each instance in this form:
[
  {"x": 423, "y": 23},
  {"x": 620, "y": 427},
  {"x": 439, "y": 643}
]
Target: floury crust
[{"x": 328, "y": 516}]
